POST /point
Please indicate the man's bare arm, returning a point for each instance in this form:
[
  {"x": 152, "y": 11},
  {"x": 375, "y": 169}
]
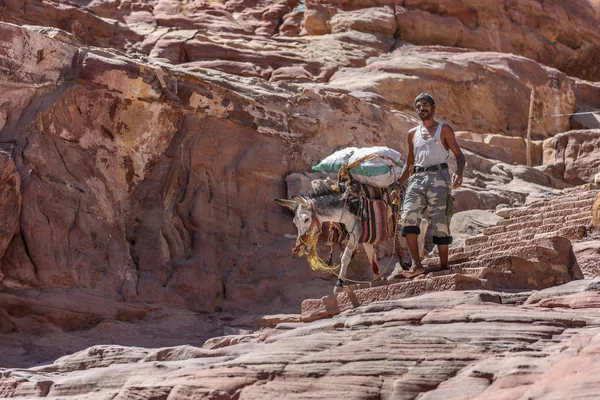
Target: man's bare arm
[
  {"x": 410, "y": 160},
  {"x": 450, "y": 140}
]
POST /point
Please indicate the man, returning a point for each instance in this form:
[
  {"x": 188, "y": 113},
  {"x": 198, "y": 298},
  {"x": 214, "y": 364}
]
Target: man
[{"x": 429, "y": 182}]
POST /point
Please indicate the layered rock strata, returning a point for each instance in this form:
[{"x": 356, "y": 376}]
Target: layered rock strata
[
  {"x": 156, "y": 185},
  {"x": 451, "y": 345},
  {"x": 529, "y": 249},
  {"x": 138, "y": 178},
  {"x": 552, "y": 33}
]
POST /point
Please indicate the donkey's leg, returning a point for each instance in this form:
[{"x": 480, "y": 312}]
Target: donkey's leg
[
  {"x": 346, "y": 257},
  {"x": 370, "y": 250}
]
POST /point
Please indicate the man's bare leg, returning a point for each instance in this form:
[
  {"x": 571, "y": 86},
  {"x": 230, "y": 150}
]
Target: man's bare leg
[
  {"x": 412, "y": 240},
  {"x": 443, "y": 253}
]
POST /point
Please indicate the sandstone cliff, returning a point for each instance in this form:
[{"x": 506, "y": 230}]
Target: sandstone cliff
[{"x": 143, "y": 142}]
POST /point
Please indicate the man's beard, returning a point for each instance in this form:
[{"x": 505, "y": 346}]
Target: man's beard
[{"x": 424, "y": 115}]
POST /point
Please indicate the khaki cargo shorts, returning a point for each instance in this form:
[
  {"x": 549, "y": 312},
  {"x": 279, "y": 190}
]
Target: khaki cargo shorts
[{"x": 428, "y": 190}]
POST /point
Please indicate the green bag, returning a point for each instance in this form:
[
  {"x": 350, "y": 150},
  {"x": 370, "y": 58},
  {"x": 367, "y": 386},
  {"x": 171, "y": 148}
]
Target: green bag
[{"x": 449, "y": 205}]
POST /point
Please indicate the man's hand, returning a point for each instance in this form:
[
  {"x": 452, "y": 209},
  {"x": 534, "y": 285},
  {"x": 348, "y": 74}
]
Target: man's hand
[
  {"x": 456, "y": 181},
  {"x": 449, "y": 138}
]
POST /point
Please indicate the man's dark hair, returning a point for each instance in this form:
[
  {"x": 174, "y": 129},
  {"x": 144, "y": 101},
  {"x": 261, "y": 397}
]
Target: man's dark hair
[{"x": 425, "y": 96}]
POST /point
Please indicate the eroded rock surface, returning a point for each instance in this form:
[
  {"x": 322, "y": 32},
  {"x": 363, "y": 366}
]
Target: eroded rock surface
[
  {"x": 10, "y": 201},
  {"x": 504, "y": 81},
  {"x": 453, "y": 345},
  {"x": 144, "y": 141},
  {"x": 571, "y": 156},
  {"x": 552, "y": 33},
  {"x": 156, "y": 185}
]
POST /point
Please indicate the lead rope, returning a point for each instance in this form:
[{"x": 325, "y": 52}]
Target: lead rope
[
  {"x": 317, "y": 263},
  {"x": 313, "y": 258},
  {"x": 380, "y": 274}
]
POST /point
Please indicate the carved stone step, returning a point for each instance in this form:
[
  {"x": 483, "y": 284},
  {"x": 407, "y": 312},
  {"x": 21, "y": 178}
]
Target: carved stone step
[
  {"x": 313, "y": 309},
  {"x": 526, "y": 252},
  {"x": 492, "y": 246},
  {"x": 547, "y": 217},
  {"x": 492, "y": 242},
  {"x": 517, "y": 234},
  {"x": 567, "y": 219},
  {"x": 511, "y": 272},
  {"x": 567, "y": 203},
  {"x": 569, "y": 232}
]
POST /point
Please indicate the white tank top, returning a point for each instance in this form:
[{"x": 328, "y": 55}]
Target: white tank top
[{"x": 429, "y": 152}]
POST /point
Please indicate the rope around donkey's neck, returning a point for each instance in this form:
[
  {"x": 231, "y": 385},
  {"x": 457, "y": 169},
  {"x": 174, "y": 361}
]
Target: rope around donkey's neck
[
  {"x": 316, "y": 262},
  {"x": 313, "y": 258}
]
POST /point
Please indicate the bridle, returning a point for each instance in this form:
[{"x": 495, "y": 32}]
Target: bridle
[{"x": 307, "y": 238}]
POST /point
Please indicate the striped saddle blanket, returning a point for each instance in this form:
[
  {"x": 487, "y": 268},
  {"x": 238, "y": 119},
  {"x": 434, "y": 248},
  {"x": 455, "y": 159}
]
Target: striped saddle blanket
[
  {"x": 377, "y": 218},
  {"x": 373, "y": 207}
]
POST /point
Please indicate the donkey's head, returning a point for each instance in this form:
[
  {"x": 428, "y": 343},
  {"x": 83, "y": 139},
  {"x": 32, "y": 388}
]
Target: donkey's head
[{"x": 306, "y": 221}]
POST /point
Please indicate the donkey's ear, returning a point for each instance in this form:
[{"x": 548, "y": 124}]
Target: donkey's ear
[
  {"x": 300, "y": 200},
  {"x": 291, "y": 204}
]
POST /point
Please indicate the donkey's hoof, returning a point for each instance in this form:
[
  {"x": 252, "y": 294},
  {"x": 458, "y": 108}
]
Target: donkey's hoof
[{"x": 339, "y": 286}]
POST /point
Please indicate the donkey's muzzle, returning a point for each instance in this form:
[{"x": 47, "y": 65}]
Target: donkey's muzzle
[
  {"x": 299, "y": 250},
  {"x": 302, "y": 245}
]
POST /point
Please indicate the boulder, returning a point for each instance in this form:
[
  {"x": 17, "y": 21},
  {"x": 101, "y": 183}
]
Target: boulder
[
  {"x": 379, "y": 20},
  {"x": 499, "y": 88},
  {"x": 315, "y": 20},
  {"x": 572, "y": 157},
  {"x": 587, "y": 256}
]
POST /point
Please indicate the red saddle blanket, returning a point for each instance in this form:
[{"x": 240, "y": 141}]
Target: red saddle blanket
[
  {"x": 377, "y": 217},
  {"x": 377, "y": 221}
]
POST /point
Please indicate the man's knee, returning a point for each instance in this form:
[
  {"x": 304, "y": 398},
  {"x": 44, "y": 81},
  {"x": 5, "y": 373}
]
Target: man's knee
[
  {"x": 410, "y": 229},
  {"x": 442, "y": 240},
  {"x": 441, "y": 228}
]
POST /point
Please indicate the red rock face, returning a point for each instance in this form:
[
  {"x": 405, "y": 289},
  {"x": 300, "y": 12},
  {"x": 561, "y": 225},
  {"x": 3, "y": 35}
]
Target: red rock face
[
  {"x": 569, "y": 157},
  {"x": 543, "y": 32},
  {"x": 158, "y": 187},
  {"x": 555, "y": 34},
  {"x": 143, "y": 143},
  {"x": 10, "y": 200},
  {"x": 451, "y": 345}
]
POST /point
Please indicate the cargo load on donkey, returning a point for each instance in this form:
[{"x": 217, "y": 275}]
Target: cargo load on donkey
[
  {"x": 374, "y": 166},
  {"x": 359, "y": 205}
]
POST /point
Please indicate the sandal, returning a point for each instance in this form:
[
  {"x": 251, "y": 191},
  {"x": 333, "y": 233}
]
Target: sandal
[{"x": 414, "y": 271}]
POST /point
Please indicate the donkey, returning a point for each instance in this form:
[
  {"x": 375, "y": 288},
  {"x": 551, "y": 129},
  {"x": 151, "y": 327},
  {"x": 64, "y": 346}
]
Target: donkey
[{"x": 327, "y": 205}]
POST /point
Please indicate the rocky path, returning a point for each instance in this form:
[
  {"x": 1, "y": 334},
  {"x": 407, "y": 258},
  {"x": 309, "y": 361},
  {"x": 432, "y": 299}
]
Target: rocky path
[
  {"x": 530, "y": 249},
  {"x": 441, "y": 336},
  {"x": 109, "y": 104},
  {"x": 448, "y": 345}
]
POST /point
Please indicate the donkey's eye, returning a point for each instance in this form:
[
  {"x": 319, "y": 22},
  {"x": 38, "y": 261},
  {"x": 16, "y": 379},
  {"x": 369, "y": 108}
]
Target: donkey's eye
[{"x": 306, "y": 220}]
